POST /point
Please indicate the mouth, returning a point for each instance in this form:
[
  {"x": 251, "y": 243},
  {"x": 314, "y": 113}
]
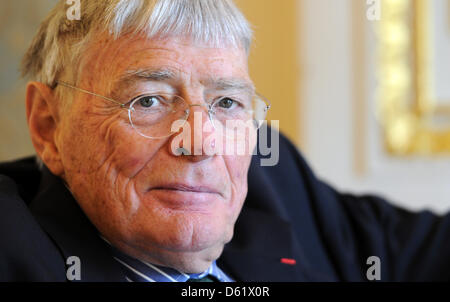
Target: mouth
[
  {"x": 180, "y": 196},
  {"x": 186, "y": 188}
]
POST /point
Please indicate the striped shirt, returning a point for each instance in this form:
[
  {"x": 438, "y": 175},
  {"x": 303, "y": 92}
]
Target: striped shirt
[{"x": 141, "y": 271}]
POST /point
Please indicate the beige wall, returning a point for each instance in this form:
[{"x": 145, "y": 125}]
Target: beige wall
[
  {"x": 274, "y": 59},
  {"x": 18, "y": 22}
]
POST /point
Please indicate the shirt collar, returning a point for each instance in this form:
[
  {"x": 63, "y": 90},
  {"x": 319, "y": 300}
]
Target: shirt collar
[{"x": 141, "y": 271}]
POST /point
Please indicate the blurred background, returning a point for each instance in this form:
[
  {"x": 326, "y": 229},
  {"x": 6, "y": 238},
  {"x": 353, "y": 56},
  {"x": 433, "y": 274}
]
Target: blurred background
[{"x": 361, "y": 87}]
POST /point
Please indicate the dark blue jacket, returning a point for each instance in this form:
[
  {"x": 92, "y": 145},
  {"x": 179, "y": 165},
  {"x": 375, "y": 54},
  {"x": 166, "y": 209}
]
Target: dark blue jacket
[{"x": 288, "y": 213}]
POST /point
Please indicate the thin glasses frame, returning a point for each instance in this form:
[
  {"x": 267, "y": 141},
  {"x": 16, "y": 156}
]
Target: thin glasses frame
[{"x": 208, "y": 106}]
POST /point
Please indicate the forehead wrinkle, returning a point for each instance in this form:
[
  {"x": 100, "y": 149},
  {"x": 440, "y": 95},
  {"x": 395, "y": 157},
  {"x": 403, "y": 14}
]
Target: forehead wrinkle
[
  {"x": 144, "y": 74},
  {"x": 158, "y": 75},
  {"x": 168, "y": 74},
  {"x": 227, "y": 84}
]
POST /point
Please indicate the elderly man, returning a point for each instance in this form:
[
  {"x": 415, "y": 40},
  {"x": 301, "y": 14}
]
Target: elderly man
[{"x": 115, "y": 199}]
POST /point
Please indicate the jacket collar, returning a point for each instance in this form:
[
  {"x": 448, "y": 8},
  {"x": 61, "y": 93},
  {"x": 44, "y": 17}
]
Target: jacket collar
[
  {"x": 263, "y": 237},
  {"x": 61, "y": 217}
]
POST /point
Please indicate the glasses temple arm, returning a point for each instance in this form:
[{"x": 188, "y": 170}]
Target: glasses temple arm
[{"x": 88, "y": 92}]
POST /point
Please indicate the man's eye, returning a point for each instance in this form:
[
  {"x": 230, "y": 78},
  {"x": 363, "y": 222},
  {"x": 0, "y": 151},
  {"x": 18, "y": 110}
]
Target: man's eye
[
  {"x": 148, "y": 101},
  {"x": 226, "y": 103}
]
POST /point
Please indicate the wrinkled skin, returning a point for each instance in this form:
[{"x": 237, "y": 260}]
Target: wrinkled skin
[{"x": 119, "y": 178}]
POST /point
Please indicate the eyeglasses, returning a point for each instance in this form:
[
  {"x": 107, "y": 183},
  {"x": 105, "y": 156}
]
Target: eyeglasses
[{"x": 153, "y": 115}]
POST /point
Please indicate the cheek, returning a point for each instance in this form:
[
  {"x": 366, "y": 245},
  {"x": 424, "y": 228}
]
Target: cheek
[
  {"x": 106, "y": 155},
  {"x": 239, "y": 141},
  {"x": 79, "y": 146},
  {"x": 238, "y": 169},
  {"x": 90, "y": 144},
  {"x": 132, "y": 154}
]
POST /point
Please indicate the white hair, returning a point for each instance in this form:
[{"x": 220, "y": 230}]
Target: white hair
[{"x": 59, "y": 43}]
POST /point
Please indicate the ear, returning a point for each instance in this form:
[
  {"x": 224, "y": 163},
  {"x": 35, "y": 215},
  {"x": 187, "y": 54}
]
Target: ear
[{"x": 42, "y": 118}]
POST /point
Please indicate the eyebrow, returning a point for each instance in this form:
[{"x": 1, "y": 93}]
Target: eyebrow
[
  {"x": 149, "y": 74},
  {"x": 142, "y": 74},
  {"x": 231, "y": 84},
  {"x": 165, "y": 74}
]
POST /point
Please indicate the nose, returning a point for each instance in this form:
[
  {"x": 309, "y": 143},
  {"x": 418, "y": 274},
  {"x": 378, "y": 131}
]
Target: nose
[{"x": 198, "y": 142}]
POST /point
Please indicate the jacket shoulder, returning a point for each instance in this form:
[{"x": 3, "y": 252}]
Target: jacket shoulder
[{"x": 26, "y": 252}]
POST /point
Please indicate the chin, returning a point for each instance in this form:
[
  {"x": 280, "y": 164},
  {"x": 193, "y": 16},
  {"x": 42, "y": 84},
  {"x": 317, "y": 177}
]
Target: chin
[
  {"x": 193, "y": 263},
  {"x": 183, "y": 229},
  {"x": 201, "y": 235}
]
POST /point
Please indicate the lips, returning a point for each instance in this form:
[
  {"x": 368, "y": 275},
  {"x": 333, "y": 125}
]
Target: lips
[
  {"x": 184, "y": 197},
  {"x": 186, "y": 188}
]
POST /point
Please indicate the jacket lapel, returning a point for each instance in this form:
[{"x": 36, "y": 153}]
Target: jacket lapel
[
  {"x": 263, "y": 237},
  {"x": 60, "y": 216},
  {"x": 259, "y": 243}
]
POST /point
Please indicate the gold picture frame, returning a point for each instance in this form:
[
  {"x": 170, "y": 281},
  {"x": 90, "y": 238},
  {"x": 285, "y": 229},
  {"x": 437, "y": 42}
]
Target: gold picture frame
[{"x": 404, "y": 106}]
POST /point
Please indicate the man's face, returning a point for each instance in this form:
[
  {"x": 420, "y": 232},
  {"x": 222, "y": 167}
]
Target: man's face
[{"x": 170, "y": 210}]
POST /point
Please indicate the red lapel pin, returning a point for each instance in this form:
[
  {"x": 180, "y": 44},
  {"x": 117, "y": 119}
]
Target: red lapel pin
[{"x": 288, "y": 261}]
